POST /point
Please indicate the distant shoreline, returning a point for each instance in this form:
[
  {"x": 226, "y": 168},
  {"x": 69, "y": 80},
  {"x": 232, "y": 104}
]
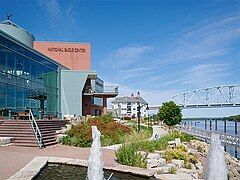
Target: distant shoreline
[{"x": 230, "y": 118}]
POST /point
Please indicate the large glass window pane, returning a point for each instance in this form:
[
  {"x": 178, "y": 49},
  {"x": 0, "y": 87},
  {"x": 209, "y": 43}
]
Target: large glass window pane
[
  {"x": 20, "y": 81},
  {"x": 20, "y": 98},
  {"x": 2, "y": 76},
  {"x": 33, "y": 71},
  {"x": 11, "y": 95},
  {"x": 27, "y": 68},
  {"x": 2, "y": 59},
  {"x": 40, "y": 73},
  {"x": 19, "y": 66},
  {"x": 11, "y": 61},
  {"x": 3, "y": 93},
  {"x": 11, "y": 79}
]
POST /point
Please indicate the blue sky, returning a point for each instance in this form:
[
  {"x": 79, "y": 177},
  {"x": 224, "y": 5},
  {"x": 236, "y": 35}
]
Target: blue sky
[{"x": 156, "y": 47}]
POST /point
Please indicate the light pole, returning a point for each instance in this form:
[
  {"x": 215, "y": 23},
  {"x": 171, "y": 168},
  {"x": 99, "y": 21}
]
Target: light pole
[{"x": 139, "y": 113}]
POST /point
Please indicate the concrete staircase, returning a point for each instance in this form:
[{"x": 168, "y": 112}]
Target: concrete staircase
[{"x": 22, "y": 132}]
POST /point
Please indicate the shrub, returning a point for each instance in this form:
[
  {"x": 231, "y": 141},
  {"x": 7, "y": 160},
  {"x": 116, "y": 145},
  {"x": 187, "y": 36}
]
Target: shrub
[
  {"x": 176, "y": 154},
  {"x": 111, "y": 131},
  {"x": 105, "y": 118},
  {"x": 168, "y": 155},
  {"x": 138, "y": 136},
  {"x": 200, "y": 148},
  {"x": 131, "y": 150},
  {"x": 162, "y": 143},
  {"x": 172, "y": 170},
  {"x": 128, "y": 155},
  {"x": 187, "y": 165},
  {"x": 193, "y": 159}
]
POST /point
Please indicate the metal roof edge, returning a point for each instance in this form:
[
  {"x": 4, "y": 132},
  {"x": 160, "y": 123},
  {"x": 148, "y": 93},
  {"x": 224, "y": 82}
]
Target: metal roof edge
[{"x": 30, "y": 49}]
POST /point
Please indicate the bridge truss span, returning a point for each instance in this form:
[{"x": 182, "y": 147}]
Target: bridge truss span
[{"x": 219, "y": 96}]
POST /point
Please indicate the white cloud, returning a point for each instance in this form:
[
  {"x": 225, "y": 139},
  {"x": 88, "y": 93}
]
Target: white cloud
[
  {"x": 203, "y": 41},
  {"x": 53, "y": 11},
  {"x": 205, "y": 75},
  {"x": 127, "y": 55},
  {"x": 60, "y": 19}
]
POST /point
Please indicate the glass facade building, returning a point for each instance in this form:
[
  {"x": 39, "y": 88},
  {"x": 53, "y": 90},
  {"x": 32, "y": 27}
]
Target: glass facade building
[{"x": 28, "y": 80}]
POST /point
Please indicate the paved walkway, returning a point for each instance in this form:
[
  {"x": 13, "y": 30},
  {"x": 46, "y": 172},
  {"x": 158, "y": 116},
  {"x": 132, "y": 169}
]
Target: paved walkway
[{"x": 13, "y": 158}]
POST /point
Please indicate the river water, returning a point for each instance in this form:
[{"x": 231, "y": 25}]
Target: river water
[{"x": 218, "y": 125}]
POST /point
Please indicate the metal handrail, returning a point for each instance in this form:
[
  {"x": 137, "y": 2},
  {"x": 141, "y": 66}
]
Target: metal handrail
[
  {"x": 202, "y": 133},
  {"x": 105, "y": 89},
  {"x": 36, "y": 129}
]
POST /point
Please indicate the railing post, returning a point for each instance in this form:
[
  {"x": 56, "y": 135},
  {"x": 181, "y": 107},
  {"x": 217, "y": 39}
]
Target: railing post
[
  {"x": 195, "y": 123},
  {"x": 210, "y": 124},
  {"x": 205, "y": 123},
  {"x": 225, "y": 126},
  {"x": 236, "y": 128},
  {"x": 215, "y": 125},
  {"x": 236, "y": 152}
]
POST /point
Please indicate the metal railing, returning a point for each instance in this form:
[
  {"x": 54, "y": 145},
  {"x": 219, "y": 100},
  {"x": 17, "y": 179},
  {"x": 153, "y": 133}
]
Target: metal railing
[
  {"x": 206, "y": 134},
  {"x": 106, "y": 89},
  {"x": 36, "y": 129}
]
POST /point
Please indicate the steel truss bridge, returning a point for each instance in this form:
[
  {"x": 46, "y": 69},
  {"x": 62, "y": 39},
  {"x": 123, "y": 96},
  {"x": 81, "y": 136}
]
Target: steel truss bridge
[{"x": 212, "y": 97}]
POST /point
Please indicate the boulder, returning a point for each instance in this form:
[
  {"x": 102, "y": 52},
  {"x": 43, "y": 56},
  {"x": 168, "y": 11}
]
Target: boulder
[
  {"x": 161, "y": 153},
  {"x": 178, "y": 163},
  {"x": 171, "y": 165},
  {"x": 4, "y": 141},
  {"x": 152, "y": 163},
  {"x": 235, "y": 172},
  {"x": 162, "y": 161},
  {"x": 199, "y": 167},
  {"x": 158, "y": 170},
  {"x": 193, "y": 173},
  {"x": 153, "y": 156},
  {"x": 164, "y": 169}
]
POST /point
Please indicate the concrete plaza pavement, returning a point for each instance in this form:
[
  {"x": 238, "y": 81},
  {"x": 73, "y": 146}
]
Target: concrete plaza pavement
[{"x": 13, "y": 158}]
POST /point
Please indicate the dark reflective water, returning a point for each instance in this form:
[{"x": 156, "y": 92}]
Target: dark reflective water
[{"x": 61, "y": 171}]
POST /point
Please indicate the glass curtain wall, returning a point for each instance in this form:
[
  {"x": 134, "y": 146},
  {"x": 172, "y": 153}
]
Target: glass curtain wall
[{"x": 26, "y": 77}]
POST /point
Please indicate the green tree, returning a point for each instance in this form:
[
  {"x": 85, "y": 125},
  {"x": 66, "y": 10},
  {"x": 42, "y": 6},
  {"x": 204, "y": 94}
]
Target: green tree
[{"x": 170, "y": 113}]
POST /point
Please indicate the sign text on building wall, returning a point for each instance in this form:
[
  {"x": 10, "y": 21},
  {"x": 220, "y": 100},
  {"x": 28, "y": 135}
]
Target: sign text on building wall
[{"x": 76, "y": 50}]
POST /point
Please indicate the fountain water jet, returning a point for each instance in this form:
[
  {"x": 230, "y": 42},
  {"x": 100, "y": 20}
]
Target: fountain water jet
[
  {"x": 216, "y": 165},
  {"x": 95, "y": 161}
]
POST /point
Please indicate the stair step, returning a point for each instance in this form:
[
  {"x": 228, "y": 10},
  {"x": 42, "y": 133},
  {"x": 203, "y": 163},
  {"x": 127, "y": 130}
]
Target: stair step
[
  {"x": 16, "y": 135},
  {"x": 16, "y": 130},
  {"x": 25, "y": 145},
  {"x": 30, "y": 141},
  {"x": 16, "y": 122},
  {"x": 48, "y": 128},
  {"x": 50, "y": 143},
  {"x": 17, "y": 126},
  {"x": 48, "y": 133},
  {"x": 21, "y": 131}
]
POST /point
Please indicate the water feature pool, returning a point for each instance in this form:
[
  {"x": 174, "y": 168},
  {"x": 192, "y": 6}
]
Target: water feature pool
[{"x": 54, "y": 171}]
